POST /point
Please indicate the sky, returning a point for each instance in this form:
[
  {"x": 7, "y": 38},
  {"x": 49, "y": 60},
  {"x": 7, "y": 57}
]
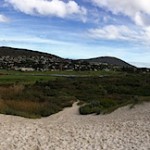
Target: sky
[{"x": 79, "y": 28}]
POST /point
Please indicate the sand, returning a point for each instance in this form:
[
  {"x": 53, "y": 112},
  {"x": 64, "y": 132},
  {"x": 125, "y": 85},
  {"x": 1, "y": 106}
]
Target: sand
[{"x": 124, "y": 129}]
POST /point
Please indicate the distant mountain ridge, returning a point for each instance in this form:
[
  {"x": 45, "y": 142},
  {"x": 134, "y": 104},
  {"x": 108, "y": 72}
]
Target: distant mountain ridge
[{"x": 16, "y": 52}]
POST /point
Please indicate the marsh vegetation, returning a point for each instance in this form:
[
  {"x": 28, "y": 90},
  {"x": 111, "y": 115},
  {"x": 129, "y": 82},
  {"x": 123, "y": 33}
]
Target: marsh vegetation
[{"x": 39, "y": 96}]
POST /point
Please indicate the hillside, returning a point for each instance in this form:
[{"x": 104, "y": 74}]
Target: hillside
[
  {"x": 110, "y": 61},
  {"x": 15, "y": 52},
  {"x": 15, "y": 57}
]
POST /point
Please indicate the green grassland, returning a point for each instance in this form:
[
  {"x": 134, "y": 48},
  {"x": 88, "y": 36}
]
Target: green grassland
[{"x": 40, "y": 94}]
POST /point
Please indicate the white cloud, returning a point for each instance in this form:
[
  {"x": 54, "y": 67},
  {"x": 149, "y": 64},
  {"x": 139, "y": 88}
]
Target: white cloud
[
  {"x": 111, "y": 32},
  {"x": 56, "y": 8},
  {"x": 31, "y": 39},
  {"x": 137, "y": 10},
  {"x": 121, "y": 32},
  {"x": 3, "y": 18}
]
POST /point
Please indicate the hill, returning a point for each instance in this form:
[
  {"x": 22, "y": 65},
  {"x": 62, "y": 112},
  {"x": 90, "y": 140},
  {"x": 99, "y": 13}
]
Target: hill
[
  {"x": 113, "y": 61},
  {"x": 15, "y": 52},
  {"x": 15, "y": 57}
]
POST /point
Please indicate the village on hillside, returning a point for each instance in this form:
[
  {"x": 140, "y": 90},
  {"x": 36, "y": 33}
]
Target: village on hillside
[
  {"x": 42, "y": 63},
  {"x": 29, "y": 60}
]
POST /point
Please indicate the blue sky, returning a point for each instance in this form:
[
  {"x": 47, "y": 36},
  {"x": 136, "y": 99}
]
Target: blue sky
[{"x": 79, "y": 28}]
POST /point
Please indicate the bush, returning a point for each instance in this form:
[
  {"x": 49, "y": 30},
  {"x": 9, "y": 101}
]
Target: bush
[
  {"x": 84, "y": 110},
  {"x": 88, "y": 109}
]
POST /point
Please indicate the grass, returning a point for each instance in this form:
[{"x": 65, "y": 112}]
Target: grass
[
  {"x": 23, "y": 79},
  {"x": 21, "y": 108},
  {"x": 11, "y": 76},
  {"x": 31, "y": 96}
]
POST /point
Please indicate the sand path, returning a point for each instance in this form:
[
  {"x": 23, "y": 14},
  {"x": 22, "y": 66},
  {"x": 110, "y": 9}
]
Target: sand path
[{"x": 123, "y": 129}]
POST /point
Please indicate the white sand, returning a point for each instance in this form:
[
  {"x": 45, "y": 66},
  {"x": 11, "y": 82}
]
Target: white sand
[{"x": 123, "y": 129}]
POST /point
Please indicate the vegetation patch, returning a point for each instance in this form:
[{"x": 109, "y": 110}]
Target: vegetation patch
[{"x": 97, "y": 94}]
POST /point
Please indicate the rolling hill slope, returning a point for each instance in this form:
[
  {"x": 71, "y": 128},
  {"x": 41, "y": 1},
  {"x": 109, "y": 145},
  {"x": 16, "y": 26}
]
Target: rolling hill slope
[
  {"x": 16, "y": 52},
  {"x": 110, "y": 61}
]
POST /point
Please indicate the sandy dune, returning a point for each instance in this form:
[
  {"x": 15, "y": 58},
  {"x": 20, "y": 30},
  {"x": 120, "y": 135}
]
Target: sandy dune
[{"x": 123, "y": 129}]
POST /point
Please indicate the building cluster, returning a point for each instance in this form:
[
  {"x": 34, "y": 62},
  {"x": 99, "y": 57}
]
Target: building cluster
[{"x": 43, "y": 63}]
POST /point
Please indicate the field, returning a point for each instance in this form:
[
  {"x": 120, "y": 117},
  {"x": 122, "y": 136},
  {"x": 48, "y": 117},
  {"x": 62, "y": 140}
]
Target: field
[{"x": 40, "y": 94}]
